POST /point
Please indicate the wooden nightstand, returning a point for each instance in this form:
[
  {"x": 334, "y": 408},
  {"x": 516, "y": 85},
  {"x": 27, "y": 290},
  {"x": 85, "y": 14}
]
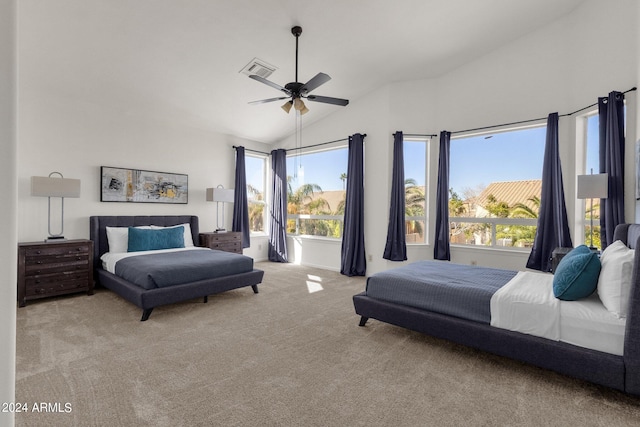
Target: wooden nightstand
[
  {"x": 48, "y": 269},
  {"x": 230, "y": 241},
  {"x": 556, "y": 257}
]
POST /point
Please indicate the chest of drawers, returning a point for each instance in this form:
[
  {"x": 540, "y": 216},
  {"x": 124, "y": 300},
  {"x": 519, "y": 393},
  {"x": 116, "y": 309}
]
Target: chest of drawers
[
  {"x": 48, "y": 269},
  {"x": 231, "y": 241}
]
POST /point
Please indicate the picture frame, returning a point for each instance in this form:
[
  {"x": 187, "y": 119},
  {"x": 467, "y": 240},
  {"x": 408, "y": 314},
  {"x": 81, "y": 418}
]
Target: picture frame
[{"x": 142, "y": 186}]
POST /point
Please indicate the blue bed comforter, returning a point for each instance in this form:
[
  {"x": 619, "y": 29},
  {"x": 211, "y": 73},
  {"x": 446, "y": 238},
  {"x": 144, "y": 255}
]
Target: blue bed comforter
[
  {"x": 463, "y": 291},
  {"x": 172, "y": 268}
]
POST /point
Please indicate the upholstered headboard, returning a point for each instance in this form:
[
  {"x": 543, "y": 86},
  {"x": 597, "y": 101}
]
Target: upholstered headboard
[
  {"x": 629, "y": 234},
  {"x": 98, "y": 231}
]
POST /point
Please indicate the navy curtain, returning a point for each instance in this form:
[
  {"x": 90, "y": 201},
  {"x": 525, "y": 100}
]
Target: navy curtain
[
  {"x": 240, "y": 203},
  {"x": 278, "y": 207},
  {"x": 396, "y": 246},
  {"x": 553, "y": 226},
  {"x": 441, "y": 248},
  {"x": 611, "y": 120},
  {"x": 353, "y": 260}
]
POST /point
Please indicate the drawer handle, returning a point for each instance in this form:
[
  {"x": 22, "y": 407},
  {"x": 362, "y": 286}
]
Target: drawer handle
[{"x": 38, "y": 262}]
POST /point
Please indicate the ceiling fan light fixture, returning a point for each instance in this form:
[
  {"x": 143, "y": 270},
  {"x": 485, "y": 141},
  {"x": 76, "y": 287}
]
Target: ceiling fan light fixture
[
  {"x": 298, "y": 104},
  {"x": 304, "y": 110},
  {"x": 287, "y": 106}
]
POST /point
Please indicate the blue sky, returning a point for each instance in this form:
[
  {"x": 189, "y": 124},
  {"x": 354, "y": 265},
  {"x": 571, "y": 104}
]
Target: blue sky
[
  {"x": 323, "y": 168},
  {"x": 505, "y": 156},
  {"x": 475, "y": 161}
]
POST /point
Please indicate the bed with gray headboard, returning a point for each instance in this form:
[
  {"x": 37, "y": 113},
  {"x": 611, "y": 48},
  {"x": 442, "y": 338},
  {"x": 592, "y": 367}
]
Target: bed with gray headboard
[
  {"x": 149, "y": 298},
  {"x": 618, "y": 371}
]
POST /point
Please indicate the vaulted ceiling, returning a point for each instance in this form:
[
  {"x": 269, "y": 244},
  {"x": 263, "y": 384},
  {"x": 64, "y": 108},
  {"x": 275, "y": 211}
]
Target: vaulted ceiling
[{"x": 180, "y": 60}]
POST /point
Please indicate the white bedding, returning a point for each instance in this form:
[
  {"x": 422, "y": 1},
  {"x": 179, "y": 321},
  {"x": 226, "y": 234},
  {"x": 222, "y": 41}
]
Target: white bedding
[
  {"x": 526, "y": 304},
  {"x": 109, "y": 259},
  {"x": 587, "y": 323}
]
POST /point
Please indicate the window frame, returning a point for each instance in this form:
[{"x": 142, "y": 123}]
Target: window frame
[
  {"x": 264, "y": 202},
  {"x": 297, "y": 218},
  {"x": 494, "y": 222},
  {"x": 427, "y": 147}
]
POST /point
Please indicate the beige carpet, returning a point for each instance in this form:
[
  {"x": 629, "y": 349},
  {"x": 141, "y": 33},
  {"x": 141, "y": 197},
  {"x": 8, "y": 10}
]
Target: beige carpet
[{"x": 292, "y": 355}]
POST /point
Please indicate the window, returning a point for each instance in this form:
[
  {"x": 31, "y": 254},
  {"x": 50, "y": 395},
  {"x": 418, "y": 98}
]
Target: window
[
  {"x": 592, "y": 165},
  {"x": 495, "y": 183},
  {"x": 316, "y": 192},
  {"x": 256, "y": 179},
  {"x": 415, "y": 175}
]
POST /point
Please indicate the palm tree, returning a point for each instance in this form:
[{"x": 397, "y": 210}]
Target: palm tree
[
  {"x": 343, "y": 178},
  {"x": 525, "y": 234},
  {"x": 414, "y": 205},
  {"x": 256, "y": 210},
  {"x": 522, "y": 210},
  {"x": 302, "y": 201}
]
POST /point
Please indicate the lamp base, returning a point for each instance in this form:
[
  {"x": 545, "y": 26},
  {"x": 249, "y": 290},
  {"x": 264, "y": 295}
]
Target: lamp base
[
  {"x": 54, "y": 239},
  {"x": 220, "y": 230}
]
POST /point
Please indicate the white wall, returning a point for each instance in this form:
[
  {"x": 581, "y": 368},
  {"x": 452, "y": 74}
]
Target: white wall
[
  {"x": 558, "y": 68},
  {"x": 8, "y": 213},
  {"x": 59, "y": 134}
]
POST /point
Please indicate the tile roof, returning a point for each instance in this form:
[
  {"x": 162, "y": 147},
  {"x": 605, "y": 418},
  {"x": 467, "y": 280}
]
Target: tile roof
[{"x": 511, "y": 192}]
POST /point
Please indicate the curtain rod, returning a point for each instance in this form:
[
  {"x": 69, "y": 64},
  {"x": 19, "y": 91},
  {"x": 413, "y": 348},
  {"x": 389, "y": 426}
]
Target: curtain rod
[
  {"x": 423, "y": 135},
  {"x": 322, "y": 143},
  {"x": 249, "y": 149},
  {"x": 308, "y": 146},
  {"x": 534, "y": 120},
  {"x": 517, "y": 123}
]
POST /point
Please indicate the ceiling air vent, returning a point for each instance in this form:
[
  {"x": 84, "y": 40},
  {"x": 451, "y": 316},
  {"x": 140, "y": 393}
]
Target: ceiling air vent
[{"x": 258, "y": 67}]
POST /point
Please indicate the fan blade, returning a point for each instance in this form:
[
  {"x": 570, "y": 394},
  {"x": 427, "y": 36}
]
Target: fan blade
[
  {"x": 318, "y": 80},
  {"x": 328, "y": 100},
  {"x": 263, "y": 101},
  {"x": 269, "y": 83}
]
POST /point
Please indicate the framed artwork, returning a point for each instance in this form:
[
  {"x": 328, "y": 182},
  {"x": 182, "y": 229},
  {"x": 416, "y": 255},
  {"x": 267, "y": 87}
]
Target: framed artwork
[{"x": 141, "y": 186}]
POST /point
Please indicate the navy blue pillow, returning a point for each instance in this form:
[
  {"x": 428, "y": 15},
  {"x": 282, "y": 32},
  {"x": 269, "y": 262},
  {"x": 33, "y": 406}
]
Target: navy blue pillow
[
  {"x": 141, "y": 239},
  {"x": 577, "y": 274}
]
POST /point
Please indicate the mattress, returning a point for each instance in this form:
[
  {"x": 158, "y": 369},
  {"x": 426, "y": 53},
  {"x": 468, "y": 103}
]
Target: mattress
[
  {"x": 524, "y": 302},
  {"x": 457, "y": 290},
  {"x": 159, "y": 269},
  {"x": 587, "y": 323}
]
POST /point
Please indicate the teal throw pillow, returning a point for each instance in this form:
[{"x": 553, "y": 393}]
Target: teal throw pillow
[
  {"x": 577, "y": 274},
  {"x": 151, "y": 239}
]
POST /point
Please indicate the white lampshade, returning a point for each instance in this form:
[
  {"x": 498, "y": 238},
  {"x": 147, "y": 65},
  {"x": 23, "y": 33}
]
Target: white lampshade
[
  {"x": 593, "y": 186},
  {"x": 43, "y": 186},
  {"x": 218, "y": 194}
]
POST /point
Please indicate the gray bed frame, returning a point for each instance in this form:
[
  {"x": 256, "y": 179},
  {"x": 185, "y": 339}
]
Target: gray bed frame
[
  {"x": 148, "y": 299},
  {"x": 618, "y": 372}
]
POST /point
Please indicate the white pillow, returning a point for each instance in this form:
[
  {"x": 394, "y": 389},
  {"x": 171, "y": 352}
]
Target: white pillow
[
  {"x": 188, "y": 238},
  {"x": 614, "y": 282},
  {"x": 118, "y": 238}
]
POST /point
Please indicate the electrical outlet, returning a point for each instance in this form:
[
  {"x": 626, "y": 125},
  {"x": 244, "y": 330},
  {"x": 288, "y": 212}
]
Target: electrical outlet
[
  {"x": 260, "y": 246},
  {"x": 370, "y": 257}
]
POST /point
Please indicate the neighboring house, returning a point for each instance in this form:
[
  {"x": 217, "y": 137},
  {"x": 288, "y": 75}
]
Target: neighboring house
[{"x": 509, "y": 192}]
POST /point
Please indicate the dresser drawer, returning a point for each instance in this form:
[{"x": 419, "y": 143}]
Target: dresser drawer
[
  {"x": 228, "y": 242},
  {"x": 45, "y": 279},
  {"x": 35, "y": 269},
  {"x": 54, "y": 268},
  {"x": 54, "y": 251},
  {"x": 57, "y": 288}
]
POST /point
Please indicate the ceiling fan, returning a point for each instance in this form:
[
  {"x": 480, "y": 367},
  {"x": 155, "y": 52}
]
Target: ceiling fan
[{"x": 296, "y": 90}]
